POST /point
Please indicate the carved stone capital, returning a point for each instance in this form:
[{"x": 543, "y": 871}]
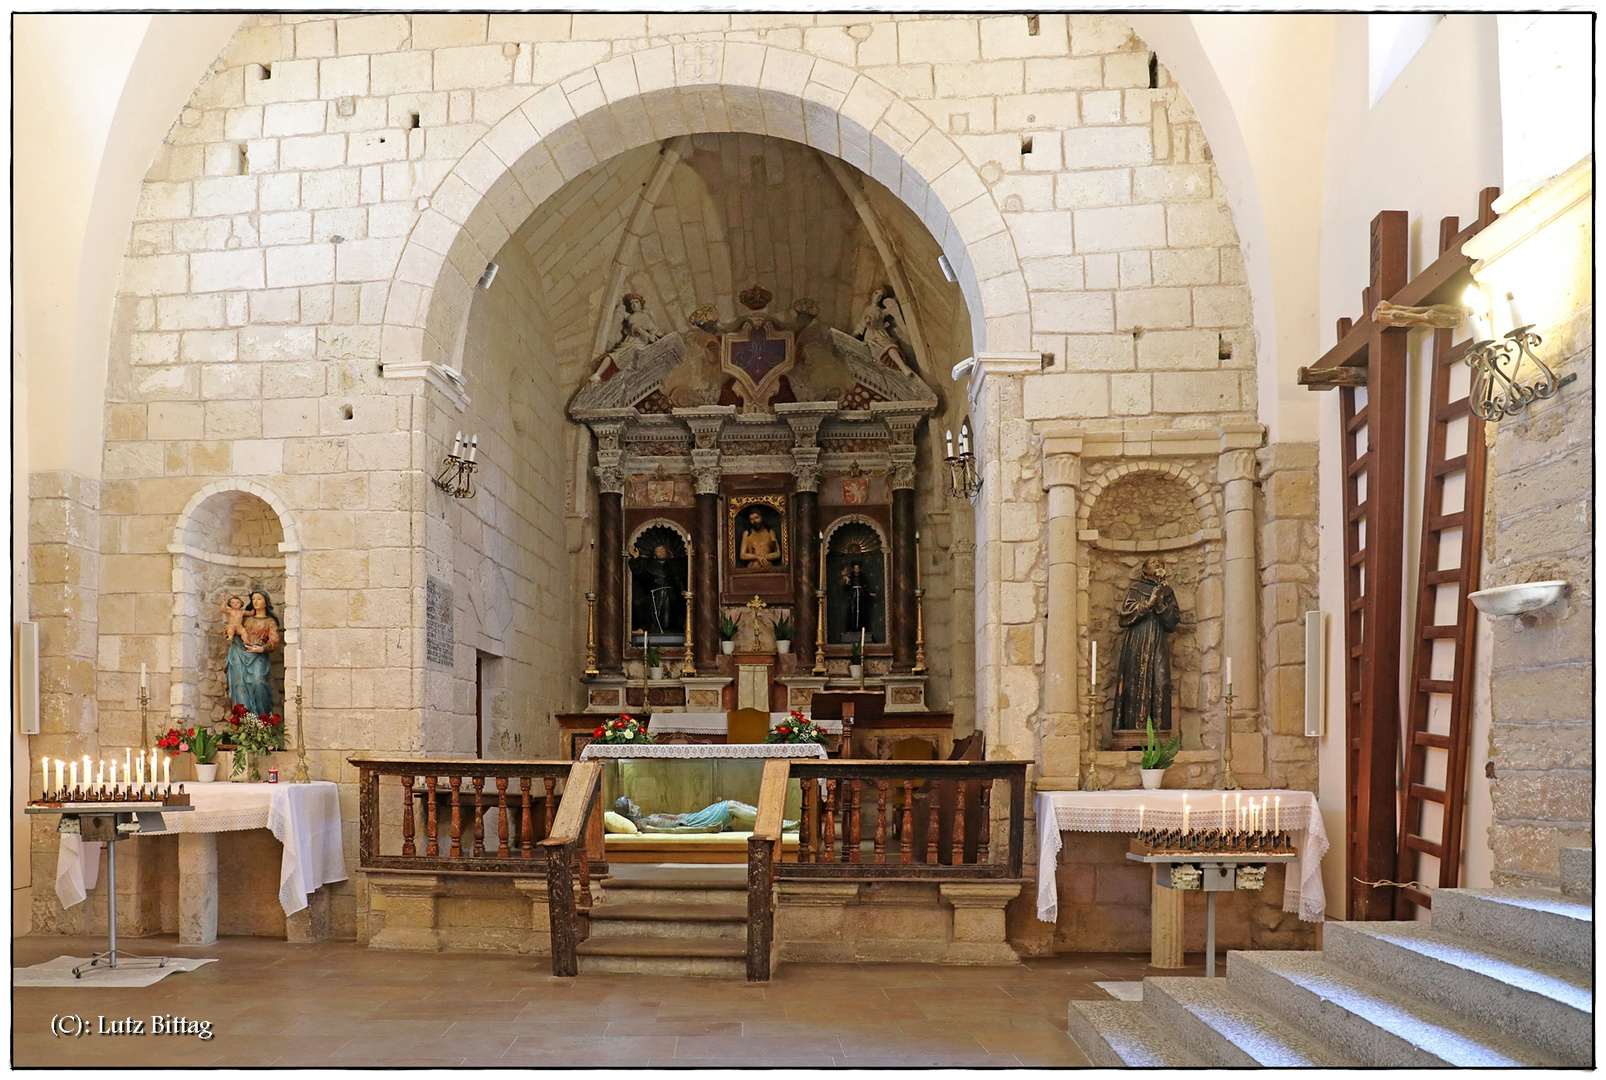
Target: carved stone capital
[
  {"x": 806, "y": 467},
  {"x": 705, "y": 467},
  {"x": 610, "y": 479},
  {"x": 1061, "y": 470},
  {"x": 607, "y": 432},
  {"x": 902, "y": 475},
  {"x": 705, "y": 422},
  {"x": 1236, "y": 465}
]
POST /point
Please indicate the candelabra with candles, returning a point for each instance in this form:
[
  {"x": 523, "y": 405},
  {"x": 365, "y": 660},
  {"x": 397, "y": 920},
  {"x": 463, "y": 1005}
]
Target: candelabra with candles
[
  {"x": 963, "y": 480},
  {"x": 456, "y": 476},
  {"x": 1497, "y": 389},
  {"x": 591, "y": 619},
  {"x": 819, "y": 621},
  {"x": 1255, "y": 829},
  {"x": 96, "y": 787},
  {"x": 144, "y": 708},
  {"x": 301, "y": 775},
  {"x": 1228, "y": 781},
  {"x": 688, "y": 666}
]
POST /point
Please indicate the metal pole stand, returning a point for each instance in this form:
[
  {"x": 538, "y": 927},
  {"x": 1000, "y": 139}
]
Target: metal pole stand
[
  {"x": 112, "y": 953},
  {"x": 1210, "y": 935},
  {"x": 1228, "y": 782}
]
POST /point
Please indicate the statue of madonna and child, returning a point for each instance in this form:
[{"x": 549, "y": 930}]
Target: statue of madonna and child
[
  {"x": 252, "y": 633},
  {"x": 711, "y": 819}
]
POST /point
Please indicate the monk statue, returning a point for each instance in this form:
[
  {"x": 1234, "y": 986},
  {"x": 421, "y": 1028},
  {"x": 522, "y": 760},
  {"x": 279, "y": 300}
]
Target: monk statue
[
  {"x": 710, "y": 819},
  {"x": 1149, "y": 613}
]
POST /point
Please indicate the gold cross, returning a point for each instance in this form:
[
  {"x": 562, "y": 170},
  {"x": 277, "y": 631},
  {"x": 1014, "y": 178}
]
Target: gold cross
[{"x": 756, "y": 604}]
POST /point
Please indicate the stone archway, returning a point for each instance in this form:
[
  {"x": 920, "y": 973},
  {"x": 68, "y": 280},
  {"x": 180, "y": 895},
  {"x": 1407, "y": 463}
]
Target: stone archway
[{"x": 670, "y": 91}]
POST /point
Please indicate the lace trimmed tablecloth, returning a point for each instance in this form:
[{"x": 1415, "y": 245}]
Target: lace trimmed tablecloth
[
  {"x": 701, "y": 750},
  {"x": 1117, "y": 812},
  {"x": 305, "y": 818},
  {"x": 714, "y": 723}
]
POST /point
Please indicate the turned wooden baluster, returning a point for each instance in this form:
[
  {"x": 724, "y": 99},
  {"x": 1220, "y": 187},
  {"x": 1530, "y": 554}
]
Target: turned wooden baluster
[
  {"x": 808, "y": 848},
  {"x": 984, "y": 830},
  {"x": 407, "y": 816},
  {"x": 956, "y": 845},
  {"x": 828, "y": 821},
  {"x": 479, "y": 817},
  {"x": 585, "y": 873},
  {"x": 549, "y": 784},
  {"x": 456, "y": 784},
  {"x": 431, "y": 826},
  {"x": 526, "y": 822},
  {"x": 501, "y": 817},
  {"x": 880, "y": 821},
  {"x": 906, "y": 843},
  {"x": 852, "y": 854},
  {"x": 933, "y": 827}
]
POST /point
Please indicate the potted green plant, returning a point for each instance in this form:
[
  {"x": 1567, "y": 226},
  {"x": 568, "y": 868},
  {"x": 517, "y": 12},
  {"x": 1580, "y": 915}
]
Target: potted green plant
[
  {"x": 655, "y": 662},
  {"x": 727, "y": 634},
  {"x": 856, "y": 661},
  {"x": 204, "y": 747},
  {"x": 1157, "y": 757},
  {"x": 783, "y": 635}
]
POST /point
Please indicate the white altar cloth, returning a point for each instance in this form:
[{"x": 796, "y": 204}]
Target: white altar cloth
[
  {"x": 305, "y": 818},
  {"x": 1117, "y": 811},
  {"x": 713, "y": 723},
  {"x": 727, "y": 751}
]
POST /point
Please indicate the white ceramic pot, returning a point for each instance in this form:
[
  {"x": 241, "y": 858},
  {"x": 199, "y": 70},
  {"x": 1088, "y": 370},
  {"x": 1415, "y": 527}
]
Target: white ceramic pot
[
  {"x": 205, "y": 774},
  {"x": 727, "y": 647},
  {"x": 656, "y": 672},
  {"x": 783, "y": 647},
  {"x": 1152, "y": 778},
  {"x": 856, "y": 671}
]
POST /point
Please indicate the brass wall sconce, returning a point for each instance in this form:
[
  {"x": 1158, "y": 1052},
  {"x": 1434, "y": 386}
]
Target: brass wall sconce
[
  {"x": 963, "y": 480},
  {"x": 1498, "y": 386},
  {"x": 456, "y": 476}
]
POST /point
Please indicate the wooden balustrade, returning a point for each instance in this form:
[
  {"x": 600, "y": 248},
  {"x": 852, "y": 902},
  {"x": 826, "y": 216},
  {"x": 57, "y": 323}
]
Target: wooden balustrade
[
  {"x": 565, "y": 839},
  {"x": 947, "y": 838},
  {"x": 432, "y": 789}
]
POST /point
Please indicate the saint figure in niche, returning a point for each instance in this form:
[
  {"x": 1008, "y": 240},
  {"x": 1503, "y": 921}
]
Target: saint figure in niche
[
  {"x": 858, "y": 600},
  {"x": 252, "y": 638},
  {"x": 758, "y": 547},
  {"x": 1150, "y": 614},
  {"x": 658, "y": 585}
]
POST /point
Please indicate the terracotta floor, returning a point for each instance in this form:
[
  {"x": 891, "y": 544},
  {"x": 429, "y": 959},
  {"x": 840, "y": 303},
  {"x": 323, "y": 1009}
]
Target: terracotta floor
[{"x": 335, "y": 1004}]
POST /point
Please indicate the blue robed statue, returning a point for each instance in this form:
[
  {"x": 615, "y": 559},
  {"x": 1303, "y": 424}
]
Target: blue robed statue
[
  {"x": 253, "y": 634},
  {"x": 710, "y": 819}
]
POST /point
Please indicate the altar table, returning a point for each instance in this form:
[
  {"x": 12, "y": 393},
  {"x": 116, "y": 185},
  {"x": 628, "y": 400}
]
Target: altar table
[
  {"x": 713, "y": 723},
  {"x": 1117, "y": 811},
  {"x": 305, "y": 818}
]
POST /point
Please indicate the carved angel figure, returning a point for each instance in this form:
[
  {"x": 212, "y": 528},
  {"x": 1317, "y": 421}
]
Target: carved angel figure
[
  {"x": 637, "y": 328},
  {"x": 881, "y": 317}
]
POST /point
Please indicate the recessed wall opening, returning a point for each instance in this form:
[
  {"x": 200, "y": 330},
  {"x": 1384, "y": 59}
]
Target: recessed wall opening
[{"x": 1026, "y": 144}]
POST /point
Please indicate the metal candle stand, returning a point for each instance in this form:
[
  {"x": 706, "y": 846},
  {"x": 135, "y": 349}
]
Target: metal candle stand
[
  {"x": 1090, "y": 741},
  {"x": 103, "y": 816},
  {"x": 301, "y": 775},
  {"x": 1228, "y": 781}
]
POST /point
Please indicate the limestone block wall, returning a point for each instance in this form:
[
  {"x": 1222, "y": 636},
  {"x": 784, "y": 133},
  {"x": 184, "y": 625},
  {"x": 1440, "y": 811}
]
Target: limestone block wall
[{"x": 1288, "y": 589}]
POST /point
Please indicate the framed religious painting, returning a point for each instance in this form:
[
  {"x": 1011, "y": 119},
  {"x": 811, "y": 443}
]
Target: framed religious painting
[{"x": 758, "y": 547}]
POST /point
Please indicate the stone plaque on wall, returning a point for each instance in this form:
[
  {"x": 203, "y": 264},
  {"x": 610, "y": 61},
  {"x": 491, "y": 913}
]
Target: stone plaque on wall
[{"x": 439, "y": 638}]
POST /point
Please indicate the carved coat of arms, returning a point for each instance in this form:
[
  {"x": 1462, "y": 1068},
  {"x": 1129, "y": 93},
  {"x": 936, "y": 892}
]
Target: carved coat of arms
[{"x": 756, "y": 357}]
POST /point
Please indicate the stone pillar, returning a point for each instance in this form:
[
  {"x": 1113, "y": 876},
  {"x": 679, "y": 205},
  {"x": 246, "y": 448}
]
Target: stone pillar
[
  {"x": 903, "y": 566},
  {"x": 805, "y": 526},
  {"x": 979, "y": 936},
  {"x": 311, "y": 923},
  {"x": 1240, "y": 639},
  {"x": 409, "y": 912},
  {"x": 1166, "y": 922},
  {"x": 539, "y": 943},
  {"x": 1063, "y": 725},
  {"x": 197, "y": 888},
  {"x": 705, "y": 586}
]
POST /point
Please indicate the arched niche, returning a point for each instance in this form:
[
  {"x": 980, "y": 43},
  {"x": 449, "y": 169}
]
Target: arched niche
[
  {"x": 1139, "y": 510},
  {"x": 857, "y": 538},
  {"x": 231, "y": 539}
]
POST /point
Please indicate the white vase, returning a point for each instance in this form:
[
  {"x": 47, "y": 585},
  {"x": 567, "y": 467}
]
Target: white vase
[
  {"x": 856, "y": 671},
  {"x": 205, "y": 774},
  {"x": 1152, "y": 778},
  {"x": 782, "y": 647},
  {"x": 727, "y": 647},
  {"x": 656, "y": 672}
]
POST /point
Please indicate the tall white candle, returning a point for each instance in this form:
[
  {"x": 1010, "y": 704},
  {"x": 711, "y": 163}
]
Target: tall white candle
[
  {"x": 1140, "y": 817},
  {"x": 1229, "y": 675},
  {"x": 1093, "y": 663},
  {"x": 1223, "y": 811},
  {"x": 457, "y": 445},
  {"x": 44, "y": 779},
  {"x": 139, "y": 773},
  {"x": 948, "y": 442},
  {"x": 60, "y": 765},
  {"x": 167, "y": 771},
  {"x": 1184, "y": 813},
  {"x": 74, "y": 775},
  {"x": 112, "y": 779},
  {"x": 100, "y": 774},
  {"x": 1516, "y": 314},
  {"x": 473, "y": 448},
  {"x": 1238, "y": 812},
  {"x": 142, "y": 675},
  {"x": 1277, "y": 815},
  {"x": 128, "y": 765}
]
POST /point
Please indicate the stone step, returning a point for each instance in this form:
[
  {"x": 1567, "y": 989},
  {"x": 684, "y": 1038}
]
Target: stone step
[
  {"x": 663, "y": 956},
  {"x": 1535, "y": 922},
  {"x": 1220, "y": 1028},
  {"x": 710, "y": 891},
  {"x": 1542, "y": 1005},
  {"x": 611, "y": 920},
  {"x": 1578, "y": 872},
  {"x": 1366, "y": 1022},
  {"x": 1117, "y": 1034}
]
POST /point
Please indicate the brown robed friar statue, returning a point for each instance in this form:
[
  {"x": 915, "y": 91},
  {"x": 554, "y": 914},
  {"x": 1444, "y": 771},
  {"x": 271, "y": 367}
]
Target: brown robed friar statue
[{"x": 1149, "y": 613}]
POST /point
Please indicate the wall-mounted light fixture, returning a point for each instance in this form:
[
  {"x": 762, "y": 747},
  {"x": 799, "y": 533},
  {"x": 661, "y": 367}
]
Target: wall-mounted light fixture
[
  {"x": 456, "y": 477},
  {"x": 963, "y": 480},
  {"x": 1498, "y": 389}
]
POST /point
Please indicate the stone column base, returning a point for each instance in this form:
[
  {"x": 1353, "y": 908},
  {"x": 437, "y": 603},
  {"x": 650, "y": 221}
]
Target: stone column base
[
  {"x": 197, "y": 888},
  {"x": 410, "y": 912},
  {"x": 905, "y": 922},
  {"x": 312, "y": 922},
  {"x": 979, "y": 936}
]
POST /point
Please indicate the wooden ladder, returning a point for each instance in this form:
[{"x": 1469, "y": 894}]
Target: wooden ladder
[{"x": 1439, "y": 721}]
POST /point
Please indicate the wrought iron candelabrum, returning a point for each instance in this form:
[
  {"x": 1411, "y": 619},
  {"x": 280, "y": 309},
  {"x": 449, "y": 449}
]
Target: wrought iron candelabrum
[
  {"x": 1497, "y": 387},
  {"x": 456, "y": 476},
  {"x": 963, "y": 479}
]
